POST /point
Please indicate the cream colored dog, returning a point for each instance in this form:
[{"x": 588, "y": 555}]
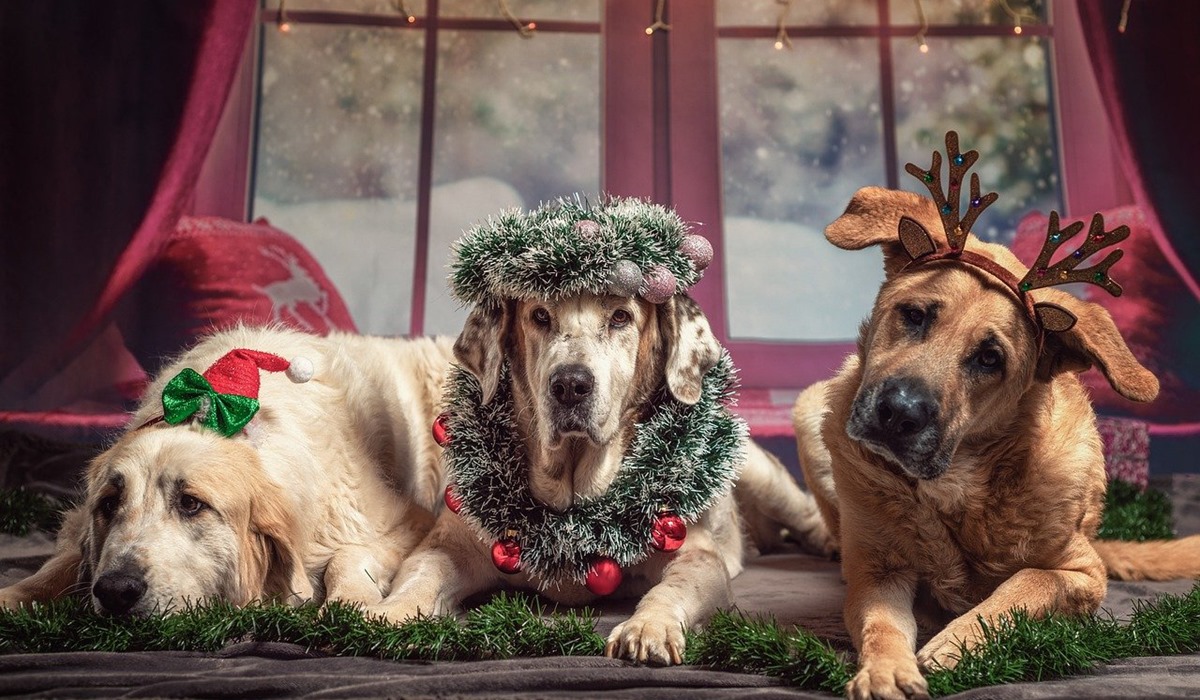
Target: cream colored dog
[
  {"x": 582, "y": 370},
  {"x": 958, "y": 461},
  {"x": 320, "y": 497}
]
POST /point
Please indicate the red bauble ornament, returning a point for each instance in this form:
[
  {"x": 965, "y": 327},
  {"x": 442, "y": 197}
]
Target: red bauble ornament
[
  {"x": 453, "y": 502},
  {"x": 603, "y": 576},
  {"x": 441, "y": 433},
  {"x": 668, "y": 532},
  {"x": 506, "y": 555}
]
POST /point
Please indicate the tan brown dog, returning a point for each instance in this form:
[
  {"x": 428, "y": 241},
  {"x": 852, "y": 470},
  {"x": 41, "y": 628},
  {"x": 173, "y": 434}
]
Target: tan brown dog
[
  {"x": 956, "y": 460},
  {"x": 584, "y": 369}
]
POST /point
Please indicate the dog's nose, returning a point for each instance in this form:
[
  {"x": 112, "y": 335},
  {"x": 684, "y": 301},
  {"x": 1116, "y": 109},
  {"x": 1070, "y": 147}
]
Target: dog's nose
[
  {"x": 118, "y": 591},
  {"x": 904, "y": 407},
  {"x": 571, "y": 385}
]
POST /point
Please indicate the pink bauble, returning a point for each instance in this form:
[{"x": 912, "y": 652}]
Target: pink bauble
[
  {"x": 658, "y": 285},
  {"x": 603, "y": 576},
  {"x": 698, "y": 250},
  {"x": 506, "y": 555},
  {"x": 587, "y": 229},
  {"x": 668, "y": 532}
]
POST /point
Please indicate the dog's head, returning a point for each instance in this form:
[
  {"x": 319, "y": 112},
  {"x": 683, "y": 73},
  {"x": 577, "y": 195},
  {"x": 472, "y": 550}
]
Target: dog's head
[
  {"x": 582, "y": 367},
  {"x": 949, "y": 354},
  {"x": 178, "y": 515}
]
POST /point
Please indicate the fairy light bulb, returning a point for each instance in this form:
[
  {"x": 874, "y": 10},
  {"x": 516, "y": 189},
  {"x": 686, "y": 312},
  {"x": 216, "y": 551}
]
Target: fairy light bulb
[
  {"x": 1017, "y": 29},
  {"x": 923, "y": 48},
  {"x": 779, "y": 46},
  {"x": 285, "y": 27}
]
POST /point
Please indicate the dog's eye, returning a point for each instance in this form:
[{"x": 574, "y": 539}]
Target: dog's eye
[
  {"x": 108, "y": 506},
  {"x": 541, "y": 317},
  {"x": 190, "y": 505},
  {"x": 913, "y": 316},
  {"x": 989, "y": 358},
  {"x": 620, "y": 318}
]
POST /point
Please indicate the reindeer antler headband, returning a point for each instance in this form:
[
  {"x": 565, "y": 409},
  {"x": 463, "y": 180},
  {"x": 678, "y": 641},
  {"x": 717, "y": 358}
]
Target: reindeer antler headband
[{"x": 1046, "y": 316}]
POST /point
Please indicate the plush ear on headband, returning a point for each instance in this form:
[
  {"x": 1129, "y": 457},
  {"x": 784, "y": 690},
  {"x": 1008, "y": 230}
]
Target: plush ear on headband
[
  {"x": 480, "y": 346},
  {"x": 692, "y": 349},
  {"x": 1093, "y": 341}
]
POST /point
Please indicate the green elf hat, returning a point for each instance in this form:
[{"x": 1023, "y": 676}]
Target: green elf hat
[{"x": 225, "y": 397}]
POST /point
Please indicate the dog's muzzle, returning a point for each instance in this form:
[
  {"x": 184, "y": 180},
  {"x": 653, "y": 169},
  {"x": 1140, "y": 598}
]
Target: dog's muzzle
[
  {"x": 897, "y": 419},
  {"x": 118, "y": 591},
  {"x": 571, "y": 390}
]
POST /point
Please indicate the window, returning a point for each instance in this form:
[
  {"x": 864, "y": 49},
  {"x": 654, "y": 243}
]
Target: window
[
  {"x": 380, "y": 140},
  {"x": 849, "y": 104}
]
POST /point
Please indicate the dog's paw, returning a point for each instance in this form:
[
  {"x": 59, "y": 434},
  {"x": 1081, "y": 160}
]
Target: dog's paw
[
  {"x": 398, "y": 611},
  {"x": 647, "y": 641},
  {"x": 888, "y": 679},
  {"x": 945, "y": 649}
]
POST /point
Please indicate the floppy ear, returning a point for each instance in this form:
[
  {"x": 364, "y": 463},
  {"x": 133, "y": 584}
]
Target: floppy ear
[
  {"x": 271, "y": 566},
  {"x": 901, "y": 222},
  {"x": 691, "y": 348},
  {"x": 1094, "y": 341},
  {"x": 480, "y": 346}
]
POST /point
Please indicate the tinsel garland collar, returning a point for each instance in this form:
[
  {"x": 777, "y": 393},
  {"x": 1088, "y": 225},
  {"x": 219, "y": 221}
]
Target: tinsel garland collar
[
  {"x": 615, "y": 245},
  {"x": 682, "y": 458}
]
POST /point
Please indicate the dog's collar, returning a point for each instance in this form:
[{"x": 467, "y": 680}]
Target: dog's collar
[{"x": 682, "y": 459}]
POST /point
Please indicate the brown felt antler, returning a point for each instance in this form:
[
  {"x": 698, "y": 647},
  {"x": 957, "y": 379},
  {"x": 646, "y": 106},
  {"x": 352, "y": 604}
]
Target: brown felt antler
[
  {"x": 948, "y": 203},
  {"x": 1043, "y": 274}
]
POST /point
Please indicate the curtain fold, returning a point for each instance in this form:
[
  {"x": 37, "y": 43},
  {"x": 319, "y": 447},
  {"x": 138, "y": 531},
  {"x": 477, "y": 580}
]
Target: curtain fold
[
  {"x": 1148, "y": 77},
  {"x": 109, "y": 111}
]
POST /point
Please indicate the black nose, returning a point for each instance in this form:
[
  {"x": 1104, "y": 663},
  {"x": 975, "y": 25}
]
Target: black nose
[
  {"x": 904, "y": 407},
  {"x": 118, "y": 591},
  {"x": 571, "y": 385}
]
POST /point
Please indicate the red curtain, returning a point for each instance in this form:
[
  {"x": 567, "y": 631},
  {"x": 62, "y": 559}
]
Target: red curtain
[
  {"x": 109, "y": 110},
  {"x": 1148, "y": 77}
]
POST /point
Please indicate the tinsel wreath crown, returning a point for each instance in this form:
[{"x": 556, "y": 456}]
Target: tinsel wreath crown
[{"x": 613, "y": 245}]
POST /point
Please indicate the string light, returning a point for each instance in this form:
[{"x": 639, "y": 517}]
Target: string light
[
  {"x": 921, "y": 45},
  {"x": 525, "y": 30},
  {"x": 1124, "y": 16},
  {"x": 402, "y": 10},
  {"x": 781, "y": 36},
  {"x": 281, "y": 19},
  {"x": 658, "y": 20},
  {"x": 1014, "y": 14}
]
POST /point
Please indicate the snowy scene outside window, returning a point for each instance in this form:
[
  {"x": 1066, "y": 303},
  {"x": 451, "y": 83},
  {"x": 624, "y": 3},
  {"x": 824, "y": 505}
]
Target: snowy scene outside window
[{"x": 803, "y": 129}]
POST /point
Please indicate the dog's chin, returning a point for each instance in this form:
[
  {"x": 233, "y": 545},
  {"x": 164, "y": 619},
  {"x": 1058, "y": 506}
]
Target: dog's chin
[
  {"x": 924, "y": 466},
  {"x": 576, "y": 428}
]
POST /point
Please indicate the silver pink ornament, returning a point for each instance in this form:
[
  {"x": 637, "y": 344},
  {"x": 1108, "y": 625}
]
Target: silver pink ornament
[
  {"x": 587, "y": 229},
  {"x": 698, "y": 250},
  {"x": 658, "y": 285},
  {"x": 624, "y": 279}
]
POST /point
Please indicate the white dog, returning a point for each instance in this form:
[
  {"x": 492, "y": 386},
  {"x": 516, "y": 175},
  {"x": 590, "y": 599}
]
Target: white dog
[{"x": 319, "y": 497}]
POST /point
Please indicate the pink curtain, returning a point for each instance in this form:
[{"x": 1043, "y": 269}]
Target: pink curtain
[
  {"x": 109, "y": 111},
  {"x": 1148, "y": 81}
]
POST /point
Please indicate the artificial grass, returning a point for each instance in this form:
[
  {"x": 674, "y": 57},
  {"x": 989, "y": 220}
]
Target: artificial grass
[
  {"x": 1017, "y": 648},
  {"x": 1135, "y": 514}
]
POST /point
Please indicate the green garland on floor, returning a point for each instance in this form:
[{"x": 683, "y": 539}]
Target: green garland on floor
[
  {"x": 22, "y": 512},
  {"x": 1018, "y": 648}
]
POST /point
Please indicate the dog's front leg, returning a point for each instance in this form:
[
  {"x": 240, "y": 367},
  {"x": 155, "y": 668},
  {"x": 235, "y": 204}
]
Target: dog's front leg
[
  {"x": 60, "y": 575},
  {"x": 879, "y": 617},
  {"x": 1038, "y": 591},
  {"x": 694, "y": 584},
  {"x": 449, "y": 565}
]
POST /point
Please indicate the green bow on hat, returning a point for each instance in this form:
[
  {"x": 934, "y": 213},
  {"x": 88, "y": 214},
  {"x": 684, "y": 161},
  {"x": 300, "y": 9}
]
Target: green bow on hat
[{"x": 189, "y": 394}]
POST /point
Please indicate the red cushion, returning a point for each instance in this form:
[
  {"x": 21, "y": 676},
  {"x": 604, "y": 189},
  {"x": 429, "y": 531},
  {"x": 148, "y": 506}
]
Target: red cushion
[{"x": 215, "y": 273}]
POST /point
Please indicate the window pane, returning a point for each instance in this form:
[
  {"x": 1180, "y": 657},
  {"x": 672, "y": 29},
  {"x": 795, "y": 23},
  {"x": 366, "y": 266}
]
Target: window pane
[
  {"x": 741, "y": 13},
  {"x": 969, "y": 11},
  {"x": 517, "y": 124},
  {"x": 371, "y": 7},
  {"x": 337, "y": 158},
  {"x": 801, "y": 132},
  {"x": 995, "y": 93}
]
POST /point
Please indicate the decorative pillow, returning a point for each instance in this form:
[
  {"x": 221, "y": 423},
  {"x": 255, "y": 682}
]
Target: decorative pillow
[
  {"x": 1156, "y": 313},
  {"x": 215, "y": 273}
]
